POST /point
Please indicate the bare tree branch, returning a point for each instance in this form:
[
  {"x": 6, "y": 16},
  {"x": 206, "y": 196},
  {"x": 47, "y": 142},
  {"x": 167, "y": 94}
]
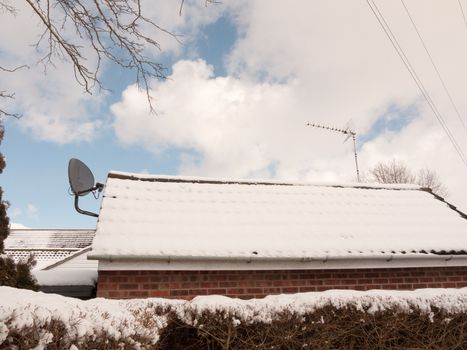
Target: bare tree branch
[
  {"x": 12, "y": 70},
  {"x": 7, "y": 95},
  {"x": 392, "y": 173},
  {"x": 4, "y": 113},
  {"x": 114, "y": 30},
  {"x": 6, "y": 7},
  {"x": 428, "y": 178},
  {"x": 396, "y": 172}
]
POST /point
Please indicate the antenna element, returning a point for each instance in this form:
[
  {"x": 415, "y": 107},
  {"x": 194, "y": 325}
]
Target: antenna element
[{"x": 350, "y": 134}]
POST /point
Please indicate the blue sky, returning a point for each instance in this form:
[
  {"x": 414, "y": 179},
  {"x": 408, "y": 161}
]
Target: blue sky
[
  {"x": 241, "y": 88},
  {"x": 35, "y": 180}
]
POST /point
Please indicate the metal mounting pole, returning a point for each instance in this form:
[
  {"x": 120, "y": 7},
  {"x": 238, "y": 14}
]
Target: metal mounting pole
[
  {"x": 81, "y": 211},
  {"x": 355, "y": 154}
]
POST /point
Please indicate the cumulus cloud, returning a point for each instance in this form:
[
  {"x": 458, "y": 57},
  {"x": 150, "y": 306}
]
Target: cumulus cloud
[
  {"x": 227, "y": 126},
  {"x": 326, "y": 62},
  {"x": 17, "y": 226},
  {"x": 32, "y": 211},
  {"x": 54, "y": 107}
]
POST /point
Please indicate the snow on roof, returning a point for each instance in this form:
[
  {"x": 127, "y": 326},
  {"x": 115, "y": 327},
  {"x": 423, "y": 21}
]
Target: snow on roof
[
  {"x": 160, "y": 217},
  {"x": 47, "y": 246}
]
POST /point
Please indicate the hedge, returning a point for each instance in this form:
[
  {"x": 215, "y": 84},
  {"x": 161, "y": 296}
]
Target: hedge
[{"x": 422, "y": 319}]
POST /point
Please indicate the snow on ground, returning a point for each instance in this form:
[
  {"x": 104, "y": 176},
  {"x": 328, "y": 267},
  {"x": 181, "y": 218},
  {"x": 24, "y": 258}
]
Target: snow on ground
[{"x": 121, "y": 319}]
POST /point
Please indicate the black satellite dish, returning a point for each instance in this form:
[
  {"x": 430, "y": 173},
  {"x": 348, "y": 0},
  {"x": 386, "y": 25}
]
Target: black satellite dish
[{"x": 81, "y": 182}]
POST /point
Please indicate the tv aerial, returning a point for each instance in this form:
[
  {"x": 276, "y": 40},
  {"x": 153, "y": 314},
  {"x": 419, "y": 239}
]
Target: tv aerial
[
  {"x": 82, "y": 183},
  {"x": 349, "y": 134}
]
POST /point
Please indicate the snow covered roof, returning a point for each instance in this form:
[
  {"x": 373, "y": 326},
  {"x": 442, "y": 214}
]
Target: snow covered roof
[
  {"x": 162, "y": 217},
  {"x": 47, "y": 246}
]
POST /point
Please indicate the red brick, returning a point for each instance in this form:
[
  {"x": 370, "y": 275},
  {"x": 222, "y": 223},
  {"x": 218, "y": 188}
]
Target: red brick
[
  {"x": 114, "y": 294},
  {"x": 150, "y": 286},
  {"x": 348, "y": 282},
  {"x": 211, "y": 284},
  {"x": 425, "y": 279},
  {"x": 228, "y": 284},
  {"x": 128, "y": 286},
  {"x": 108, "y": 286},
  {"x": 177, "y": 292},
  {"x": 454, "y": 278},
  {"x": 236, "y": 291},
  {"x": 313, "y": 282},
  {"x": 365, "y": 281},
  {"x": 254, "y": 290},
  {"x": 158, "y": 293},
  {"x": 141, "y": 279},
  {"x": 118, "y": 279},
  {"x": 218, "y": 291},
  {"x": 138, "y": 294},
  {"x": 321, "y": 288},
  {"x": 449, "y": 285},
  {"x": 381, "y": 280},
  {"x": 172, "y": 285},
  {"x": 331, "y": 282},
  {"x": 266, "y": 283},
  {"x": 198, "y": 291},
  {"x": 258, "y": 283},
  {"x": 371, "y": 274}
]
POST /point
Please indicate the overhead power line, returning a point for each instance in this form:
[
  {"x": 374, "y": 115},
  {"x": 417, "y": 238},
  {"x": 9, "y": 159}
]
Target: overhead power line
[
  {"x": 462, "y": 11},
  {"x": 434, "y": 66},
  {"x": 392, "y": 38}
]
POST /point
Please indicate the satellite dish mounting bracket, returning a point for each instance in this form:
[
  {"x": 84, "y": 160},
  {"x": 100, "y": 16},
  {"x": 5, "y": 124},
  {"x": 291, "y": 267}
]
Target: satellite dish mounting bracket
[{"x": 99, "y": 187}]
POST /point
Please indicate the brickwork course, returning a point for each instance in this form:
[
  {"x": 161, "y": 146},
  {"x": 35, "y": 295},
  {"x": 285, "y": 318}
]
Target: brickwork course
[{"x": 259, "y": 283}]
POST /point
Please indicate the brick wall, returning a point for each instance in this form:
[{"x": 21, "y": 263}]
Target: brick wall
[{"x": 256, "y": 284}]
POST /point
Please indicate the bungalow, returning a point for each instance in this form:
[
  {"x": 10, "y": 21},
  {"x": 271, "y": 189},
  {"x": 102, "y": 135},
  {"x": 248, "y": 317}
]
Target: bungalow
[
  {"x": 179, "y": 237},
  {"x": 60, "y": 255}
]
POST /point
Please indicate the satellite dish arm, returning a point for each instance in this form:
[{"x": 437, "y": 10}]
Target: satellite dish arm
[
  {"x": 98, "y": 187},
  {"x": 79, "y": 210}
]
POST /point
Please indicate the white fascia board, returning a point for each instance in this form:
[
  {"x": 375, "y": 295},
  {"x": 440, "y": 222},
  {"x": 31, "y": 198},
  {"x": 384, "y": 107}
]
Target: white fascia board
[
  {"x": 69, "y": 257},
  {"x": 395, "y": 261}
]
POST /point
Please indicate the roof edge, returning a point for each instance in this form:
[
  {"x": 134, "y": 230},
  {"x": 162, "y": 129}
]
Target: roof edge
[
  {"x": 54, "y": 229},
  {"x": 205, "y": 180},
  {"x": 344, "y": 263},
  {"x": 64, "y": 260},
  {"x": 112, "y": 257},
  {"x": 438, "y": 197}
]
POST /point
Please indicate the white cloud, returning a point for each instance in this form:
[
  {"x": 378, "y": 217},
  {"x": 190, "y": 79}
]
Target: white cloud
[
  {"x": 14, "y": 212},
  {"x": 17, "y": 226},
  {"x": 32, "y": 211},
  {"x": 54, "y": 106},
  {"x": 234, "y": 127},
  {"x": 186, "y": 26},
  {"x": 326, "y": 62}
]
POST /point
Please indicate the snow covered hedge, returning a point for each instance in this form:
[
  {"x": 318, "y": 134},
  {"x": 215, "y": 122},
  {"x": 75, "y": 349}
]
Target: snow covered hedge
[{"x": 428, "y": 319}]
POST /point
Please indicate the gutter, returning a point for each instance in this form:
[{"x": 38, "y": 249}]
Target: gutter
[{"x": 255, "y": 258}]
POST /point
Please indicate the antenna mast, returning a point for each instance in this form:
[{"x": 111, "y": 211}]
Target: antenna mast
[{"x": 350, "y": 134}]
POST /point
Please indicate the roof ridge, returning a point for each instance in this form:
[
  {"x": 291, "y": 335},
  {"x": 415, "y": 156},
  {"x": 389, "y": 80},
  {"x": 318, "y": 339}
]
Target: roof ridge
[{"x": 205, "y": 180}]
